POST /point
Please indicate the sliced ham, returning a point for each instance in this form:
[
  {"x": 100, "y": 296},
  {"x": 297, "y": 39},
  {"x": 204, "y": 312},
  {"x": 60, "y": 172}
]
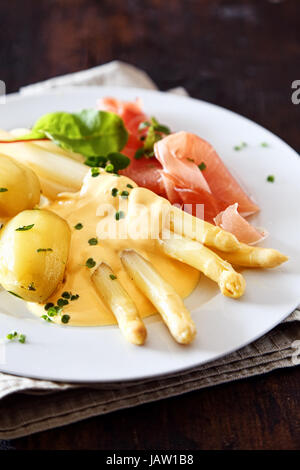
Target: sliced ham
[
  {"x": 231, "y": 221},
  {"x": 182, "y": 152}
]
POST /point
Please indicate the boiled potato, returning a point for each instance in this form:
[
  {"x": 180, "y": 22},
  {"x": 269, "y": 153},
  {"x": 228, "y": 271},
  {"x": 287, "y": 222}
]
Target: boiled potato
[
  {"x": 34, "y": 248},
  {"x": 19, "y": 187}
]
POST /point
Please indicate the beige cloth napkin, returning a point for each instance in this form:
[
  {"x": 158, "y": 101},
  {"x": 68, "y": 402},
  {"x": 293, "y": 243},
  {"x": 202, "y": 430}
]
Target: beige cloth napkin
[{"x": 28, "y": 406}]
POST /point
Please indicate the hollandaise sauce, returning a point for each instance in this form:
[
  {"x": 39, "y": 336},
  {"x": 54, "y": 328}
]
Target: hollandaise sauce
[{"x": 108, "y": 215}]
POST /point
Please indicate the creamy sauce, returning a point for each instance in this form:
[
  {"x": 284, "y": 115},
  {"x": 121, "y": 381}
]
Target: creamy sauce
[{"x": 95, "y": 208}]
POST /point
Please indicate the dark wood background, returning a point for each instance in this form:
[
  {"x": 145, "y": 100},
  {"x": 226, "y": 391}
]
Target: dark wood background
[{"x": 242, "y": 55}]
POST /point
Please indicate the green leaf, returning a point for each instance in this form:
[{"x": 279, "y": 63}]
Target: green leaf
[
  {"x": 24, "y": 228},
  {"x": 89, "y": 132}
]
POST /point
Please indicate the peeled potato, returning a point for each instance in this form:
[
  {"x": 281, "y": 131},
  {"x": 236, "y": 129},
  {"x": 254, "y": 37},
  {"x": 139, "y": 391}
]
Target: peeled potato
[
  {"x": 19, "y": 187},
  {"x": 33, "y": 259}
]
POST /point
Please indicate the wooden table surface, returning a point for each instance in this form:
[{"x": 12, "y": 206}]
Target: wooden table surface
[{"x": 243, "y": 55}]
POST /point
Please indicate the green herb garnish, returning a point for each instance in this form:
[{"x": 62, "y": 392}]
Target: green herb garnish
[
  {"x": 78, "y": 226},
  {"x": 124, "y": 194},
  {"x": 62, "y": 302},
  {"x": 113, "y": 277},
  {"x": 119, "y": 215},
  {"x": 114, "y": 192},
  {"x": 95, "y": 172},
  {"x": 3, "y": 190},
  {"x": 129, "y": 186},
  {"x": 93, "y": 241},
  {"x": 46, "y": 318},
  {"x": 20, "y": 337},
  {"x": 66, "y": 295},
  {"x": 117, "y": 159},
  {"x": 264, "y": 144},
  {"x": 24, "y": 228},
  {"x": 65, "y": 318},
  {"x": 271, "y": 178},
  {"x": 155, "y": 132},
  {"x": 90, "y": 263},
  {"x": 109, "y": 168},
  {"x": 39, "y": 250},
  {"x": 48, "y": 305},
  {"x": 202, "y": 166},
  {"x": 74, "y": 297}
]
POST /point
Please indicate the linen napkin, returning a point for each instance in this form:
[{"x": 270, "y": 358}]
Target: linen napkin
[{"x": 29, "y": 405}]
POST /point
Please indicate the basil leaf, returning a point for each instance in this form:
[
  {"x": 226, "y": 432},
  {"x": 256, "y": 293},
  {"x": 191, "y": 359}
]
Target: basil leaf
[{"x": 89, "y": 132}]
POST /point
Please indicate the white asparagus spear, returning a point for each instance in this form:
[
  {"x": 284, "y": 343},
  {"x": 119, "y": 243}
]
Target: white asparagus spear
[
  {"x": 163, "y": 296},
  {"x": 47, "y": 145},
  {"x": 254, "y": 257},
  {"x": 65, "y": 172},
  {"x": 116, "y": 298},
  {"x": 231, "y": 283},
  {"x": 186, "y": 225}
]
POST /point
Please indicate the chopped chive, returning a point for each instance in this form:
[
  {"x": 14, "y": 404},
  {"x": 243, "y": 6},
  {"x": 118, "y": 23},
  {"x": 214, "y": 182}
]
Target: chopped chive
[
  {"x": 62, "y": 302},
  {"x": 65, "y": 318},
  {"x": 93, "y": 241},
  {"x": 129, "y": 186},
  {"x": 202, "y": 166},
  {"x": 52, "y": 312},
  {"x": 3, "y": 190},
  {"x": 48, "y": 305},
  {"x": 66, "y": 295},
  {"x": 46, "y": 318},
  {"x": 264, "y": 144},
  {"x": 109, "y": 168},
  {"x": 90, "y": 263},
  {"x": 271, "y": 178},
  {"x": 39, "y": 250},
  {"x": 24, "y": 228},
  {"x": 119, "y": 215},
  {"x": 95, "y": 172},
  {"x": 114, "y": 192},
  {"x": 124, "y": 194},
  {"x": 12, "y": 335},
  {"x": 22, "y": 338},
  {"x": 78, "y": 226},
  {"x": 113, "y": 277},
  {"x": 74, "y": 297}
]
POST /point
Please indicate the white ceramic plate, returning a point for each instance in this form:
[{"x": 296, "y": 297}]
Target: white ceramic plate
[{"x": 223, "y": 324}]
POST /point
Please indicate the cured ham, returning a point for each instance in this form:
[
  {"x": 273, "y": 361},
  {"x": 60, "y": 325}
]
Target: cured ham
[
  {"x": 186, "y": 170},
  {"x": 231, "y": 221}
]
